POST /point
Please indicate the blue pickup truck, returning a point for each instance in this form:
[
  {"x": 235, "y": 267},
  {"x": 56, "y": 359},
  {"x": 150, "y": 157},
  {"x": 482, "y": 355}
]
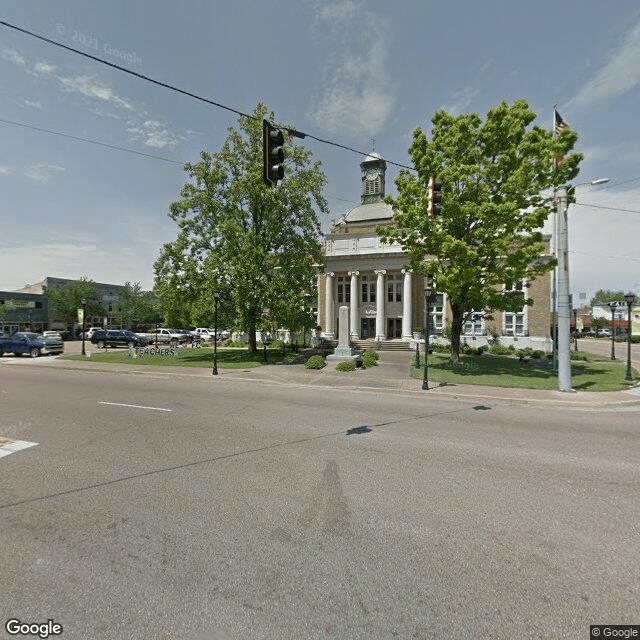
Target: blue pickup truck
[{"x": 33, "y": 344}]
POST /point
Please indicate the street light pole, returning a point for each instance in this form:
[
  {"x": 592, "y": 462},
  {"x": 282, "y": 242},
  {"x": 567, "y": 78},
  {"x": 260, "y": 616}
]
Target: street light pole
[
  {"x": 564, "y": 347},
  {"x": 83, "y": 302},
  {"x": 427, "y": 298},
  {"x": 216, "y": 297},
  {"x": 612, "y": 306},
  {"x": 629, "y": 299}
]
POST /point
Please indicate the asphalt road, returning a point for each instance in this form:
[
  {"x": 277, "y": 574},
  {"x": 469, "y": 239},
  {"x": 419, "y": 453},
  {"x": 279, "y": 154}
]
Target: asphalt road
[{"x": 194, "y": 508}]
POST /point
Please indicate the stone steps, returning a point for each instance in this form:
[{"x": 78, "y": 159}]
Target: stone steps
[{"x": 387, "y": 345}]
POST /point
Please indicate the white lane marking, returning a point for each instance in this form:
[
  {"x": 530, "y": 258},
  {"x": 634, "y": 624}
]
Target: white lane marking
[
  {"x": 16, "y": 445},
  {"x": 134, "y": 406}
]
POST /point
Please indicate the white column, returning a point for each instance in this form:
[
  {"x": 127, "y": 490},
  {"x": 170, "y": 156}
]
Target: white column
[
  {"x": 354, "y": 332},
  {"x": 328, "y": 305},
  {"x": 406, "y": 306},
  {"x": 380, "y": 319}
]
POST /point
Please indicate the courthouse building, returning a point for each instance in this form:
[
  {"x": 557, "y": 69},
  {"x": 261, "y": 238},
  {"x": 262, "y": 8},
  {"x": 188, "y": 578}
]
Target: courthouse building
[{"x": 386, "y": 301}]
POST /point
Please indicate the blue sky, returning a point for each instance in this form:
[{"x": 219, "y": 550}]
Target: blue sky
[{"x": 344, "y": 70}]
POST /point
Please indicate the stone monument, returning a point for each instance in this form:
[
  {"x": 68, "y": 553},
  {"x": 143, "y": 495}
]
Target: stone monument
[{"x": 343, "y": 351}]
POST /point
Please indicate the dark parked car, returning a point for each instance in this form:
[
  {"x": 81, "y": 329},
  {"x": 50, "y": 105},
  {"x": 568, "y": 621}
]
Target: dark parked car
[{"x": 117, "y": 338}]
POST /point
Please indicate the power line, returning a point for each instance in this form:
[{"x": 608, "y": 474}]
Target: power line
[
  {"x": 599, "y": 255},
  {"x": 293, "y": 132},
  {"x": 599, "y": 206},
  {"x": 118, "y": 148},
  {"x": 96, "y": 142}
]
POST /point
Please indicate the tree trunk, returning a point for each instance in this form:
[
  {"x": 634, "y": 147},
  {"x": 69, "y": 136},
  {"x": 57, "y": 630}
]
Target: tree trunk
[{"x": 456, "y": 331}]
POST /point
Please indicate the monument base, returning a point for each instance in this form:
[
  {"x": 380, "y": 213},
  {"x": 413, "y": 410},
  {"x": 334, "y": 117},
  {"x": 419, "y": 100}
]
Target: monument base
[{"x": 342, "y": 353}]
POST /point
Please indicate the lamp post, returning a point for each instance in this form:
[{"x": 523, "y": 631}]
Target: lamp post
[
  {"x": 216, "y": 297},
  {"x": 83, "y": 302},
  {"x": 612, "y": 306},
  {"x": 427, "y": 298},
  {"x": 629, "y": 299},
  {"x": 564, "y": 346}
]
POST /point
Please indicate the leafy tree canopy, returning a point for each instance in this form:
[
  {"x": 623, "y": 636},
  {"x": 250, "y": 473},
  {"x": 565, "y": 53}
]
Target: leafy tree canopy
[
  {"x": 494, "y": 174},
  {"x": 136, "y": 306},
  {"x": 66, "y": 299},
  {"x": 251, "y": 243},
  {"x": 607, "y": 295}
]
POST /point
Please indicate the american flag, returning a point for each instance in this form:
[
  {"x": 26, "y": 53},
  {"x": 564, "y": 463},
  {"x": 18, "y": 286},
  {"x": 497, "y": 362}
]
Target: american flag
[{"x": 560, "y": 124}]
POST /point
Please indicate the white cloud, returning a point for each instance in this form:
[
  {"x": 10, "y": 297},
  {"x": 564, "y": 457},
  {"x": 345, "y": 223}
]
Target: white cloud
[
  {"x": 620, "y": 74},
  {"x": 40, "y": 173},
  {"x": 88, "y": 86},
  {"x": 13, "y": 56},
  {"x": 153, "y": 133},
  {"x": 461, "y": 100},
  {"x": 33, "y": 104},
  {"x": 356, "y": 95}
]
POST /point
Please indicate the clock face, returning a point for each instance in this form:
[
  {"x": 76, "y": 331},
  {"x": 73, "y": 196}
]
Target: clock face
[{"x": 372, "y": 175}]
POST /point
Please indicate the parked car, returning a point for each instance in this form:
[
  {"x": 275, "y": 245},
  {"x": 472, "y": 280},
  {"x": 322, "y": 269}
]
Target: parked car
[
  {"x": 88, "y": 333},
  {"x": 205, "y": 333},
  {"x": 165, "y": 336},
  {"x": 191, "y": 336},
  {"x": 52, "y": 334},
  {"x": 117, "y": 338},
  {"x": 33, "y": 344}
]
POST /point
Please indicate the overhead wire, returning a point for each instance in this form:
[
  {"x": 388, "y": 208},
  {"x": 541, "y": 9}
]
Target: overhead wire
[{"x": 294, "y": 132}]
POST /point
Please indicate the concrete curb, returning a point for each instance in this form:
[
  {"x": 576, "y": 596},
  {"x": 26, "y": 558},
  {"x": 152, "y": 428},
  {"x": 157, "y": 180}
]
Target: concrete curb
[{"x": 387, "y": 378}]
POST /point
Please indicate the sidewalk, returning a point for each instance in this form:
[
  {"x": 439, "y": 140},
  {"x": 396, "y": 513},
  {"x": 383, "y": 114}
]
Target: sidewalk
[{"x": 390, "y": 376}]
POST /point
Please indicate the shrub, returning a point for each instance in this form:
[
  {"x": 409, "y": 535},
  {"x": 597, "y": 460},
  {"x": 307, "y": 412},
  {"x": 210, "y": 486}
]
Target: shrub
[
  {"x": 538, "y": 354},
  {"x": 576, "y": 355},
  {"x": 438, "y": 347},
  {"x": 467, "y": 349},
  {"x": 369, "y": 359},
  {"x": 236, "y": 345},
  {"x": 315, "y": 362},
  {"x": 371, "y": 354},
  {"x": 348, "y": 365},
  {"x": 527, "y": 352},
  {"x": 482, "y": 348},
  {"x": 499, "y": 350}
]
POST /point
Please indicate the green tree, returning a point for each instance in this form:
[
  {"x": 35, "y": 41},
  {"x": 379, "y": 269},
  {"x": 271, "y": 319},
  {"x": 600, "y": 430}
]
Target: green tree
[
  {"x": 602, "y": 296},
  {"x": 136, "y": 306},
  {"x": 488, "y": 235},
  {"x": 66, "y": 299},
  {"x": 251, "y": 243}
]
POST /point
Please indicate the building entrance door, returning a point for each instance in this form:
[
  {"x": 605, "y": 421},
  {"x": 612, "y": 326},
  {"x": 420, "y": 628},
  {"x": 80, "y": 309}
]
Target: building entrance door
[
  {"x": 394, "y": 328},
  {"x": 367, "y": 328}
]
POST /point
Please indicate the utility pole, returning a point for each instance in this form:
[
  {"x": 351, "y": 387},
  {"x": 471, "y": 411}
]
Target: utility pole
[{"x": 564, "y": 311}]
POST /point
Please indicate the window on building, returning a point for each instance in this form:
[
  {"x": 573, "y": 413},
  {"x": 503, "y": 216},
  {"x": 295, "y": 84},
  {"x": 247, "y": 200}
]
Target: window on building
[
  {"x": 515, "y": 319},
  {"x": 474, "y": 324},
  {"x": 368, "y": 289},
  {"x": 344, "y": 289},
  {"x": 394, "y": 288}
]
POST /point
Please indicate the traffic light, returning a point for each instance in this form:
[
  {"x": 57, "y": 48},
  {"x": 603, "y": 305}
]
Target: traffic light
[
  {"x": 434, "y": 208},
  {"x": 273, "y": 155}
]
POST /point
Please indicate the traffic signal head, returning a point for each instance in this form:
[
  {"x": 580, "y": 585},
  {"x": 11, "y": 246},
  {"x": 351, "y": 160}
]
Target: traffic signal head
[
  {"x": 272, "y": 154},
  {"x": 434, "y": 208}
]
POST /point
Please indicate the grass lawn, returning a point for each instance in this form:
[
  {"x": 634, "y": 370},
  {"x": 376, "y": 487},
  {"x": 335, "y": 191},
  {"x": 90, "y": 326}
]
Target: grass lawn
[
  {"x": 203, "y": 357},
  {"x": 596, "y": 373}
]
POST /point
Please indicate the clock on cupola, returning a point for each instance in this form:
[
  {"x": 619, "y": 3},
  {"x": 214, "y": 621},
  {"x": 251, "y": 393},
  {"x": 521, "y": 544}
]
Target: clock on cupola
[{"x": 373, "y": 170}]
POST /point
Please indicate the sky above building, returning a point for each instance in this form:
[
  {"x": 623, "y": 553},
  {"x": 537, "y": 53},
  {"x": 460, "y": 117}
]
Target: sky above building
[{"x": 348, "y": 71}]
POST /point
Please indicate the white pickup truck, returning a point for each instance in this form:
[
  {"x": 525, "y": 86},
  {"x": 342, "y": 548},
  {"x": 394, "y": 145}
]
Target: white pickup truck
[
  {"x": 166, "y": 336},
  {"x": 205, "y": 333}
]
